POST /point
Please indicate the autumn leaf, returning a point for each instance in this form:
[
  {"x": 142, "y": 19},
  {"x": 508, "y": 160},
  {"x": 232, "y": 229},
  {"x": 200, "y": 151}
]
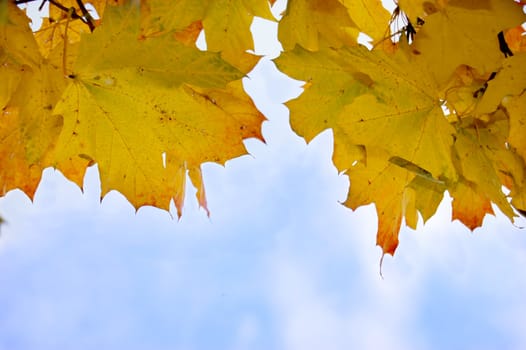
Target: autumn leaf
[
  {"x": 226, "y": 24},
  {"x": 515, "y": 170},
  {"x": 473, "y": 147},
  {"x": 376, "y": 102},
  {"x": 462, "y": 92},
  {"x": 14, "y": 60},
  {"x": 53, "y": 34},
  {"x": 147, "y": 119},
  {"x": 426, "y": 195},
  {"x": 34, "y": 85},
  {"x": 417, "y": 120},
  {"x": 516, "y": 108},
  {"x": 3, "y": 12},
  {"x": 469, "y": 205},
  {"x": 510, "y": 80},
  {"x": 374, "y": 99},
  {"x": 58, "y": 14},
  {"x": 516, "y": 39},
  {"x": 415, "y": 9},
  {"x": 370, "y": 17},
  {"x": 403, "y": 191},
  {"x": 465, "y": 33},
  {"x": 380, "y": 179},
  {"x": 310, "y": 23},
  {"x": 167, "y": 16}
]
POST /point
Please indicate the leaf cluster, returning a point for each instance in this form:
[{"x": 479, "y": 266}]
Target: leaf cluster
[
  {"x": 436, "y": 102},
  {"x": 436, "y": 105}
]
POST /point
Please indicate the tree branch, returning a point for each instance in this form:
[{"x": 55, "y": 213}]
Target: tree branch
[{"x": 85, "y": 18}]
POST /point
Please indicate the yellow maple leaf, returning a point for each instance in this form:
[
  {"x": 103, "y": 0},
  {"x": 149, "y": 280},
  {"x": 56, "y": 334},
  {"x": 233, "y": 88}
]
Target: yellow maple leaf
[
  {"x": 13, "y": 58},
  {"x": 426, "y": 195},
  {"x": 516, "y": 108},
  {"x": 380, "y": 179},
  {"x": 190, "y": 34},
  {"x": 59, "y": 13},
  {"x": 374, "y": 99},
  {"x": 52, "y": 34},
  {"x": 469, "y": 205},
  {"x": 370, "y": 17},
  {"x": 510, "y": 80},
  {"x": 62, "y": 24},
  {"x": 465, "y": 33},
  {"x": 461, "y": 94},
  {"x": 16, "y": 171},
  {"x": 166, "y": 16},
  {"x": 397, "y": 193},
  {"x": 227, "y": 29},
  {"x": 474, "y": 147},
  {"x": 486, "y": 164},
  {"x": 226, "y": 24},
  {"x": 28, "y": 128},
  {"x": 148, "y": 111},
  {"x": 334, "y": 23},
  {"x": 415, "y": 9},
  {"x": 514, "y": 167},
  {"x": 381, "y": 103},
  {"x": 310, "y": 23},
  {"x": 3, "y": 12}
]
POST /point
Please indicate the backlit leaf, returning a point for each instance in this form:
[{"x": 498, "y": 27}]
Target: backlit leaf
[
  {"x": 510, "y": 80},
  {"x": 28, "y": 129},
  {"x": 379, "y": 102},
  {"x": 226, "y": 24},
  {"x": 307, "y": 23},
  {"x": 465, "y": 33},
  {"x": 147, "y": 120},
  {"x": 370, "y": 17}
]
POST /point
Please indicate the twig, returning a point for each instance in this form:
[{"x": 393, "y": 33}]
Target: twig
[
  {"x": 85, "y": 18},
  {"x": 86, "y": 14}
]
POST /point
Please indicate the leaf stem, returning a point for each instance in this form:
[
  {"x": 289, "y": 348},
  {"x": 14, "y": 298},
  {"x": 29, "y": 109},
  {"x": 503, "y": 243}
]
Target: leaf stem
[{"x": 64, "y": 53}]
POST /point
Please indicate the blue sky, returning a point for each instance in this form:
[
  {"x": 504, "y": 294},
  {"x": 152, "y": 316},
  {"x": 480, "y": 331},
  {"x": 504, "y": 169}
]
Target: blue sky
[{"x": 280, "y": 264}]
